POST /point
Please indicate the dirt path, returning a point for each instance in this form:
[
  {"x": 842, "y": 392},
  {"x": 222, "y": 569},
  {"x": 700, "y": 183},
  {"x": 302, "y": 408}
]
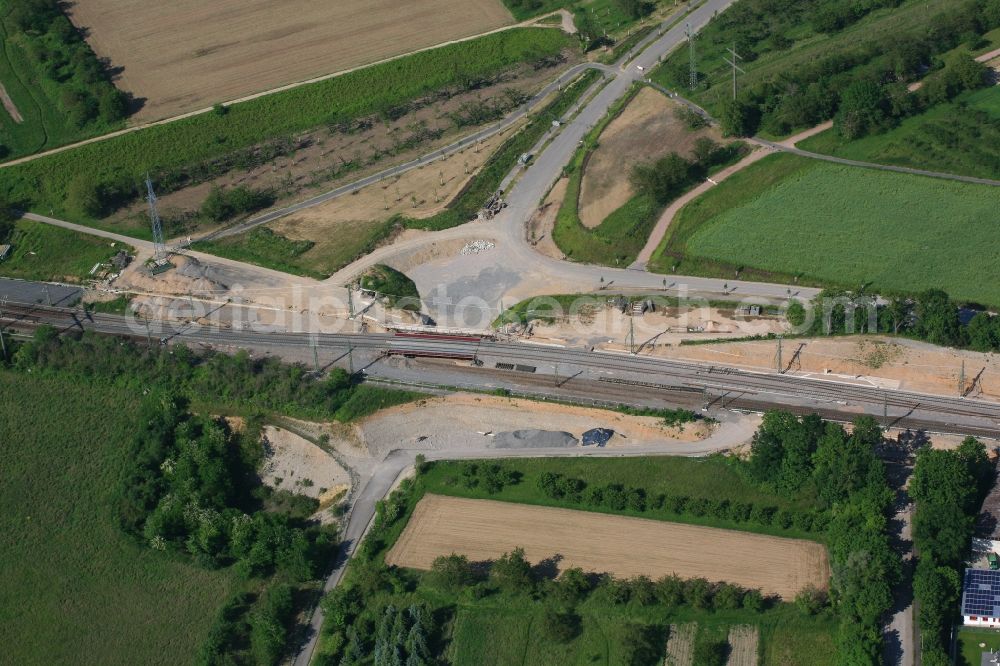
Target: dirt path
[
  {"x": 8, "y": 104},
  {"x": 660, "y": 230},
  {"x": 621, "y": 545},
  {"x": 743, "y": 640},
  {"x": 680, "y": 644}
]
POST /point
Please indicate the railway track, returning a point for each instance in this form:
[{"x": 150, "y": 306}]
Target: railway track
[{"x": 691, "y": 384}]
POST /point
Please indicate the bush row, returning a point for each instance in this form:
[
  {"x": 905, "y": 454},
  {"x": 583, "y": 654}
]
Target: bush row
[{"x": 618, "y": 497}]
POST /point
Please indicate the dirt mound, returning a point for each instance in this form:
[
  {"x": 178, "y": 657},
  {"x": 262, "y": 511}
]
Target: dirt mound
[{"x": 533, "y": 439}]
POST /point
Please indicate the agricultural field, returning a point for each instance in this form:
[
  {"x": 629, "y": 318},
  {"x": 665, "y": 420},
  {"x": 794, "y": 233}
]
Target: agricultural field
[
  {"x": 623, "y": 546},
  {"x": 76, "y": 588},
  {"x": 788, "y": 217},
  {"x": 249, "y": 135},
  {"x": 960, "y": 137},
  {"x": 44, "y": 252},
  {"x": 198, "y": 54}
]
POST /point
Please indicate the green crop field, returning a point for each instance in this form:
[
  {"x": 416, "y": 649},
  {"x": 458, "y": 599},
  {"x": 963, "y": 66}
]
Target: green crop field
[
  {"x": 960, "y": 137},
  {"x": 76, "y": 588},
  {"x": 44, "y": 252},
  {"x": 828, "y": 224},
  {"x": 166, "y": 151}
]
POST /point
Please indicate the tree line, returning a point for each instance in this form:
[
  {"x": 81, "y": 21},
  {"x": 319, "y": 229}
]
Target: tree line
[
  {"x": 796, "y": 456},
  {"x": 259, "y": 384},
  {"x": 948, "y": 488},
  {"x": 930, "y": 315},
  {"x": 861, "y": 84},
  {"x": 668, "y": 177},
  {"x": 62, "y": 55},
  {"x": 618, "y": 497}
]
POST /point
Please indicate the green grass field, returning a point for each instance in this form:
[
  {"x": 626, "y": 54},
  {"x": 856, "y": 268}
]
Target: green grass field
[
  {"x": 169, "y": 150},
  {"x": 44, "y": 252},
  {"x": 76, "y": 589},
  {"x": 960, "y": 137},
  {"x": 968, "y": 641},
  {"x": 788, "y": 216},
  {"x": 510, "y": 634}
]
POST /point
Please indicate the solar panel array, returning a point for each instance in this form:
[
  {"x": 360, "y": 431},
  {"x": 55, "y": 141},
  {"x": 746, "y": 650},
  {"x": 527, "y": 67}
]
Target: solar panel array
[{"x": 981, "y": 593}]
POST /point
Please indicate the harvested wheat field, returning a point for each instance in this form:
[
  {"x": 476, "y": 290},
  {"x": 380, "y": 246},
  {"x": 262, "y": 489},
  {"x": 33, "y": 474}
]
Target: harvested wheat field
[
  {"x": 185, "y": 55},
  {"x": 645, "y": 131},
  {"x": 621, "y": 545}
]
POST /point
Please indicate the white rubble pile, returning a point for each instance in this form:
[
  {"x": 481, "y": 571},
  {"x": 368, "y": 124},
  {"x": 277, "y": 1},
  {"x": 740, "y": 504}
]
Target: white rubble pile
[{"x": 477, "y": 246}]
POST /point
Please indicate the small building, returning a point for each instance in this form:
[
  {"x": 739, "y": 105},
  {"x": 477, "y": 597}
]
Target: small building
[
  {"x": 981, "y": 598},
  {"x": 4, "y": 251}
]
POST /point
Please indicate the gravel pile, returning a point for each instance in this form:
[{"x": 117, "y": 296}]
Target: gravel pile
[
  {"x": 477, "y": 246},
  {"x": 533, "y": 439}
]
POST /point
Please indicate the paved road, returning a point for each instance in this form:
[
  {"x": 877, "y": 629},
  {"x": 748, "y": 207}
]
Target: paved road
[{"x": 398, "y": 169}]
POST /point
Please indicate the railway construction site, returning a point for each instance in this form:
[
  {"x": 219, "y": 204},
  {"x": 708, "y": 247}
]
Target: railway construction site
[{"x": 484, "y": 530}]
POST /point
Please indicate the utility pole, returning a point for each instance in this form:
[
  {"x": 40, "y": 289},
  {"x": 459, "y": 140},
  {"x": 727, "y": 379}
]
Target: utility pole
[
  {"x": 48, "y": 297},
  {"x": 149, "y": 340},
  {"x": 350, "y": 359},
  {"x": 736, "y": 67},
  {"x": 631, "y": 334},
  {"x": 961, "y": 380},
  {"x": 778, "y": 355},
  {"x": 3, "y": 304},
  {"x": 350, "y": 302},
  {"x": 693, "y": 69},
  {"x": 315, "y": 356}
]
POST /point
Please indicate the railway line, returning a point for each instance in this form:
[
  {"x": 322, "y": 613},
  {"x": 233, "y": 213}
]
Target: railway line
[{"x": 483, "y": 362}]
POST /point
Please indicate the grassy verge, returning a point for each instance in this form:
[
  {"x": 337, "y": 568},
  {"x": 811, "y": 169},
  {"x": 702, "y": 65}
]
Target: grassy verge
[
  {"x": 43, "y": 252},
  {"x": 788, "y": 216},
  {"x": 168, "y": 152},
  {"x": 960, "y": 137},
  {"x": 79, "y": 584},
  {"x": 396, "y": 287},
  {"x": 263, "y": 247},
  {"x": 618, "y": 239}
]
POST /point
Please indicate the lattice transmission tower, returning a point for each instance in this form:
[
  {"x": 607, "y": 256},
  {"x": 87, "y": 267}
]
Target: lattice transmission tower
[
  {"x": 159, "y": 247},
  {"x": 693, "y": 71}
]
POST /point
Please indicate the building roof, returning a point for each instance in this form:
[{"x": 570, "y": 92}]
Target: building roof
[{"x": 981, "y": 593}]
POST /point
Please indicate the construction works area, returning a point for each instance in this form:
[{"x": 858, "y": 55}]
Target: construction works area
[{"x": 484, "y": 530}]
